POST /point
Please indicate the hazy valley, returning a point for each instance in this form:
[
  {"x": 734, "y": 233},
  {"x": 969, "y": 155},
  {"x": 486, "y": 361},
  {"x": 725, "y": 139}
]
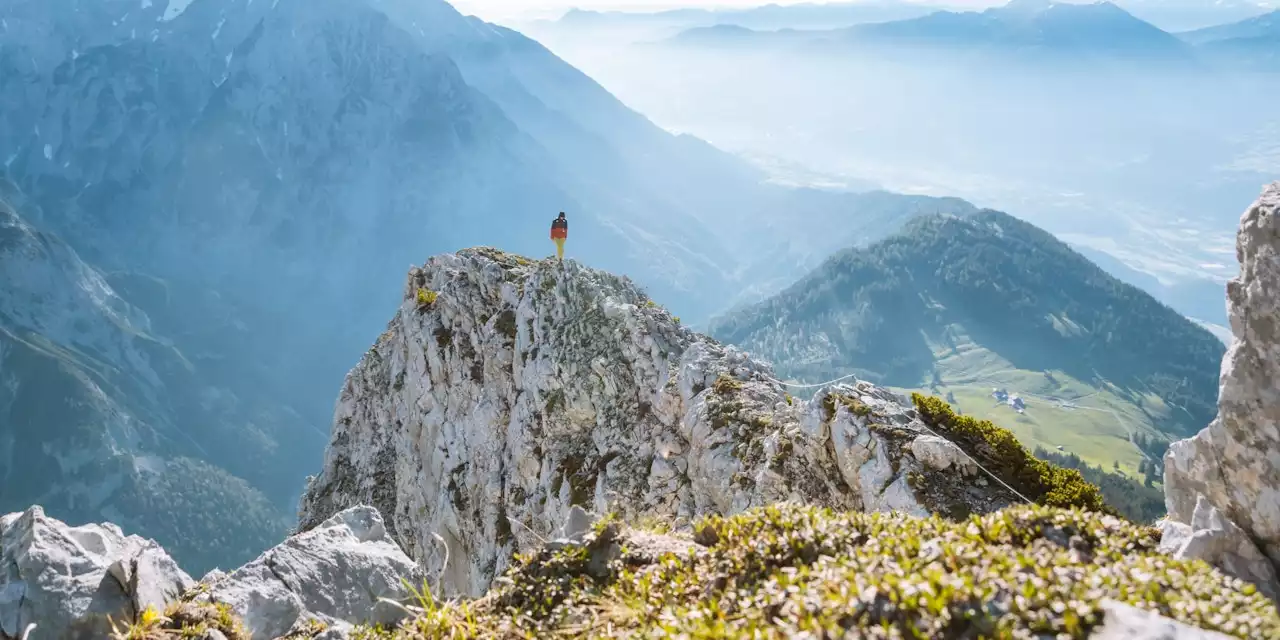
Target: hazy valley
[
  {"x": 1131, "y": 143},
  {"x": 1029, "y": 211}
]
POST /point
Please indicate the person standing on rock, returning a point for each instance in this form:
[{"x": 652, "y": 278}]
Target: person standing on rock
[{"x": 560, "y": 233}]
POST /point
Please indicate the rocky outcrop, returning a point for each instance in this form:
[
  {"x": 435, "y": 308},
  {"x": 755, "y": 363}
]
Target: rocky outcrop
[
  {"x": 73, "y": 581},
  {"x": 1222, "y": 487},
  {"x": 506, "y": 391},
  {"x": 336, "y": 574},
  {"x": 86, "y": 582}
]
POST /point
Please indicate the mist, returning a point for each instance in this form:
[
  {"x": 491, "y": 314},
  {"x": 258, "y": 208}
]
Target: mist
[{"x": 1144, "y": 162}]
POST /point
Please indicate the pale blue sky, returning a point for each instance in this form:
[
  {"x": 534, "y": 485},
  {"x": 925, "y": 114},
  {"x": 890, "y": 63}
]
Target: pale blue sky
[{"x": 507, "y": 9}]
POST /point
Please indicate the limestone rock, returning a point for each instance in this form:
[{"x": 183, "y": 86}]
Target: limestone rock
[
  {"x": 941, "y": 454},
  {"x": 335, "y": 573},
  {"x": 68, "y": 580},
  {"x": 1125, "y": 622},
  {"x": 1234, "y": 463},
  {"x": 1212, "y": 537},
  {"x": 507, "y": 391}
]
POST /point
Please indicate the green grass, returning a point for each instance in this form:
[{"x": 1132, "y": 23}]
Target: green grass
[
  {"x": 998, "y": 450},
  {"x": 1097, "y": 429}
]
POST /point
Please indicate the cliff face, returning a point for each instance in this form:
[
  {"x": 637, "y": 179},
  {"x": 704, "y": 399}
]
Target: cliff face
[
  {"x": 1223, "y": 485},
  {"x": 506, "y": 391}
]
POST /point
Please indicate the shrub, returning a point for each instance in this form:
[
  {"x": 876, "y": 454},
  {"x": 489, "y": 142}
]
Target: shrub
[
  {"x": 999, "y": 451},
  {"x": 426, "y": 297},
  {"x": 726, "y": 384}
]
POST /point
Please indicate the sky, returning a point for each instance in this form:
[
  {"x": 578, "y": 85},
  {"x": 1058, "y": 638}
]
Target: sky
[
  {"x": 507, "y": 9},
  {"x": 495, "y": 10}
]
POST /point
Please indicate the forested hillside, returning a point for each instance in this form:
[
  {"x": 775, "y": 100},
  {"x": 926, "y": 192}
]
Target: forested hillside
[{"x": 963, "y": 305}]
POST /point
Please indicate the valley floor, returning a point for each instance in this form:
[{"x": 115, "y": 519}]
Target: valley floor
[{"x": 1091, "y": 419}]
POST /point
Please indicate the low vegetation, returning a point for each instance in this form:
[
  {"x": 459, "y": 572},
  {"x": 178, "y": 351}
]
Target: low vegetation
[
  {"x": 790, "y": 571},
  {"x": 1000, "y": 452},
  {"x": 182, "y": 620}
]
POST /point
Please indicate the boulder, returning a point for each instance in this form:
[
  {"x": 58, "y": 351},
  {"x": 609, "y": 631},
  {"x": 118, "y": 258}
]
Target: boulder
[
  {"x": 1212, "y": 537},
  {"x": 72, "y": 581},
  {"x": 338, "y": 573},
  {"x": 1125, "y": 622},
  {"x": 940, "y": 454}
]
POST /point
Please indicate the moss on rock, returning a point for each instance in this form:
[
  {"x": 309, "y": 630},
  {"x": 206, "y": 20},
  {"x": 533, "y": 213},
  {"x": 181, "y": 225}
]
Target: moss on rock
[{"x": 788, "y": 571}]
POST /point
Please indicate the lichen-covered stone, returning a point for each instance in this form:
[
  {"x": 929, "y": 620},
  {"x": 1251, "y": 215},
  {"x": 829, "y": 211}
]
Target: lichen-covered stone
[
  {"x": 525, "y": 388},
  {"x": 1234, "y": 463}
]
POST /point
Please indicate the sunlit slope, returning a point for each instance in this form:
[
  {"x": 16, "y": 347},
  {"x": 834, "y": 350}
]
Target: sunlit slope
[
  {"x": 961, "y": 305},
  {"x": 1093, "y": 419}
]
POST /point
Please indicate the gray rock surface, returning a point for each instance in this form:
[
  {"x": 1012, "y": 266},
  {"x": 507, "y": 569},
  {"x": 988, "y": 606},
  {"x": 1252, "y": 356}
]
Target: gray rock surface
[
  {"x": 1125, "y": 622},
  {"x": 509, "y": 391},
  {"x": 337, "y": 573},
  {"x": 1225, "y": 481},
  {"x": 68, "y": 580},
  {"x": 941, "y": 454},
  {"x": 1214, "y": 538}
]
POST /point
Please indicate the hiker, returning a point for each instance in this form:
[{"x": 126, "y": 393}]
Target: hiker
[{"x": 559, "y": 233}]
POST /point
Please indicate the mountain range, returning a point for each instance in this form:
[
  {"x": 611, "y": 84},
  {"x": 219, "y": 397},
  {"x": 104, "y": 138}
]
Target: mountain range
[
  {"x": 1253, "y": 43},
  {"x": 1170, "y": 15},
  {"x": 770, "y": 16},
  {"x": 223, "y": 194},
  {"x": 1041, "y": 29},
  {"x": 210, "y": 202}
]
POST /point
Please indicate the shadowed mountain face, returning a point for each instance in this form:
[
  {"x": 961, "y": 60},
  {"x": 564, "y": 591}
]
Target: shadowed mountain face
[
  {"x": 102, "y": 417},
  {"x": 250, "y": 180}
]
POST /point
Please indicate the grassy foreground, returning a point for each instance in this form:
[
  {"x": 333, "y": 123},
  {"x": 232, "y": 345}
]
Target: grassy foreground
[{"x": 790, "y": 571}]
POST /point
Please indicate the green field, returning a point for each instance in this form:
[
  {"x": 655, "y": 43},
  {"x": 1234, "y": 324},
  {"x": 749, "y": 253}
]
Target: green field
[{"x": 1091, "y": 419}]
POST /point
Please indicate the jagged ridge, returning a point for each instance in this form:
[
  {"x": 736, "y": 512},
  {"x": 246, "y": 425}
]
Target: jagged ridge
[{"x": 506, "y": 391}]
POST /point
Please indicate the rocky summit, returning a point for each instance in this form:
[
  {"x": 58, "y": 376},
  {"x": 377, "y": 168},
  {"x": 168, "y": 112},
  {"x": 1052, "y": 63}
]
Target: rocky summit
[
  {"x": 538, "y": 449},
  {"x": 507, "y": 391}
]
